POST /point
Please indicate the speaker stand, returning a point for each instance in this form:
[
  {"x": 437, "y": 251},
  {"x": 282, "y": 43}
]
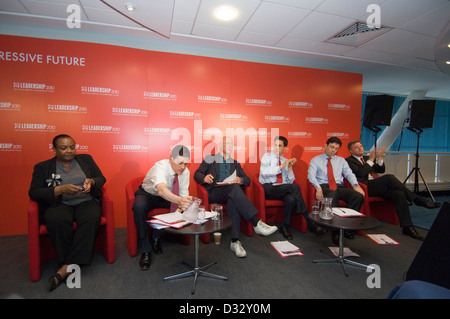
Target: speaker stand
[
  {"x": 416, "y": 169},
  {"x": 375, "y": 131}
]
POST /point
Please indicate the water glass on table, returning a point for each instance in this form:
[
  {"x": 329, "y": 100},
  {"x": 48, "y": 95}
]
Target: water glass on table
[
  {"x": 217, "y": 209},
  {"x": 201, "y": 213},
  {"x": 316, "y": 206}
]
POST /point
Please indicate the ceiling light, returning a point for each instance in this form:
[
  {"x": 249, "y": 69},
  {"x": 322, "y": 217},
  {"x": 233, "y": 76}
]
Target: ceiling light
[
  {"x": 225, "y": 13},
  {"x": 448, "y": 62},
  {"x": 129, "y": 6}
]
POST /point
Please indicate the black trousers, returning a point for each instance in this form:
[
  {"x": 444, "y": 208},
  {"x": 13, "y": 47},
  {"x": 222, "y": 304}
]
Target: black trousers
[
  {"x": 390, "y": 188},
  {"x": 143, "y": 203},
  {"x": 352, "y": 198},
  {"x": 238, "y": 204},
  {"x": 73, "y": 246},
  {"x": 292, "y": 198}
]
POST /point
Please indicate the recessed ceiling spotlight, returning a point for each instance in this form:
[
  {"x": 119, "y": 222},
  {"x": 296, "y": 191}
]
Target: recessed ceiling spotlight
[
  {"x": 225, "y": 13},
  {"x": 130, "y": 6},
  {"x": 447, "y": 62}
]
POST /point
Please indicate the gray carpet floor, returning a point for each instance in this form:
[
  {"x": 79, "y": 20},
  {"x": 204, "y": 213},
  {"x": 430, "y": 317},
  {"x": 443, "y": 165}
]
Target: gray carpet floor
[{"x": 263, "y": 274}]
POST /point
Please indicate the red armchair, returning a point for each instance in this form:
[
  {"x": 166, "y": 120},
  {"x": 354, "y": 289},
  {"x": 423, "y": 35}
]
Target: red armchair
[
  {"x": 379, "y": 208},
  {"x": 132, "y": 238},
  {"x": 202, "y": 193},
  {"x": 272, "y": 210},
  {"x": 41, "y": 249}
]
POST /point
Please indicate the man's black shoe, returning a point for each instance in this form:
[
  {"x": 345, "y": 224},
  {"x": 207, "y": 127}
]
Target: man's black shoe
[
  {"x": 411, "y": 231},
  {"x": 145, "y": 261},
  {"x": 286, "y": 233}
]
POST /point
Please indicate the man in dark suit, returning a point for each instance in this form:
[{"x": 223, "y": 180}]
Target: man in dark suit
[
  {"x": 216, "y": 168},
  {"x": 367, "y": 168}
]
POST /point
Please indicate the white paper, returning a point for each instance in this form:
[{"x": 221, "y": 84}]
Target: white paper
[
  {"x": 285, "y": 248},
  {"x": 229, "y": 179},
  {"x": 170, "y": 218},
  {"x": 346, "y": 212},
  {"x": 382, "y": 239},
  {"x": 347, "y": 252}
]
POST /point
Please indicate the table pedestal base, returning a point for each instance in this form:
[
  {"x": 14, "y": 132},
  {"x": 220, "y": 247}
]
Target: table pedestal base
[
  {"x": 340, "y": 259},
  {"x": 196, "y": 271}
]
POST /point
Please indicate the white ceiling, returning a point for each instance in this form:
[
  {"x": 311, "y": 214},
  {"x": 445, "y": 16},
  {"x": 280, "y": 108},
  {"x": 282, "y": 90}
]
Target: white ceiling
[{"x": 287, "y": 32}]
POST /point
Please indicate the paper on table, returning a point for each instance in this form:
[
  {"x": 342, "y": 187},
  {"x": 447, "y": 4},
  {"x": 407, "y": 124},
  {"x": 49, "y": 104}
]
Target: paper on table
[
  {"x": 170, "y": 218},
  {"x": 158, "y": 224},
  {"x": 286, "y": 249},
  {"x": 346, "y": 212},
  {"x": 229, "y": 179},
  {"x": 382, "y": 239}
]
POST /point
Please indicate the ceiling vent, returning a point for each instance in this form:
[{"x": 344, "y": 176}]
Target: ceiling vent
[{"x": 357, "y": 34}]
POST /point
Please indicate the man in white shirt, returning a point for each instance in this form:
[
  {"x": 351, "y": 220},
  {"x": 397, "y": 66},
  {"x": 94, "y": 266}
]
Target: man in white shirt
[
  {"x": 159, "y": 190},
  {"x": 277, "y": 178}
]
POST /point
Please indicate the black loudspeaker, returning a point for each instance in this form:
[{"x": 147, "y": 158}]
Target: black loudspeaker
[
  {"x": 432, "y": 262},
  {"x": 378, "y": 110},
  {"x": 421, "y": 113}
]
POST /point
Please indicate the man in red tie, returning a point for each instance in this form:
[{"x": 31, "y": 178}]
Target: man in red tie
[
  {"x": 277, "y": 178},
  {"x": 367, "y": 168},
  {"x": 326, "y": 173},
  {"x": 166, "y": 185}
]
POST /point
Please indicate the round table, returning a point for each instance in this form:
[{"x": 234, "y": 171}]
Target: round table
[
  {"x": 208, "y": 227},
  {"x": 345, "y": 223}
]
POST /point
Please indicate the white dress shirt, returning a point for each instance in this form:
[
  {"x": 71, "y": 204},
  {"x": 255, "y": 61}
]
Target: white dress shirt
[
  {"x": 162, "y": 173},
  {"x": 270, "y": 168}
]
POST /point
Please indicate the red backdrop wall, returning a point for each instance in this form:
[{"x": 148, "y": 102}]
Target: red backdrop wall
[{"x": 128, "y": 108}]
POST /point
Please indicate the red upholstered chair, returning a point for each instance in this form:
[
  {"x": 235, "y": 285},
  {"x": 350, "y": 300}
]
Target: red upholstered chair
[
  {"x": 41, "y": 249},
  {"x": 272, "y": 210},
  {"x": 202, "y": 193},
  {"x": 379, "y": 208},
  {"x": 132, "y": 238}
]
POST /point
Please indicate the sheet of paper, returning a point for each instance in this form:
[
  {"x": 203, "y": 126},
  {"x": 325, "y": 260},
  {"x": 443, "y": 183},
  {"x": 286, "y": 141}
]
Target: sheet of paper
[
  {"x": 229, "y": 179},
  {"x": 158, "y": 224},
  {"x": 277, "y": 184},
  {"x": 286, "y": 249},
  {"x": 382, "y": 239},
  {"x": 346, "y": 212},
  {"x": 170, "y": 218},
  {"x": 347, "y": 252}
]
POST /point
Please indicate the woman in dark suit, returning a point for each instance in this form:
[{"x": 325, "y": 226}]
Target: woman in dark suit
[{"x": 67, "y": 188}]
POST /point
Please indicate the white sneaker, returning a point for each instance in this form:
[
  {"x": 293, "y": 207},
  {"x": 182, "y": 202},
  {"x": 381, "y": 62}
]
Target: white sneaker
[
  {"x": 237, "y": 249},
  {"x": 264, "y": 229}
]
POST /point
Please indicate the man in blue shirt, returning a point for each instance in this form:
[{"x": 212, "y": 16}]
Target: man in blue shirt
[
  {"x": 277, "y": 178},
  {"x": 319, "y": 178}
]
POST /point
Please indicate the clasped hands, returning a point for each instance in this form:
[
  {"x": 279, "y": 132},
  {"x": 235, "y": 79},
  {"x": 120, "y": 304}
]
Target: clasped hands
[{"x": 70, "y": 189}]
